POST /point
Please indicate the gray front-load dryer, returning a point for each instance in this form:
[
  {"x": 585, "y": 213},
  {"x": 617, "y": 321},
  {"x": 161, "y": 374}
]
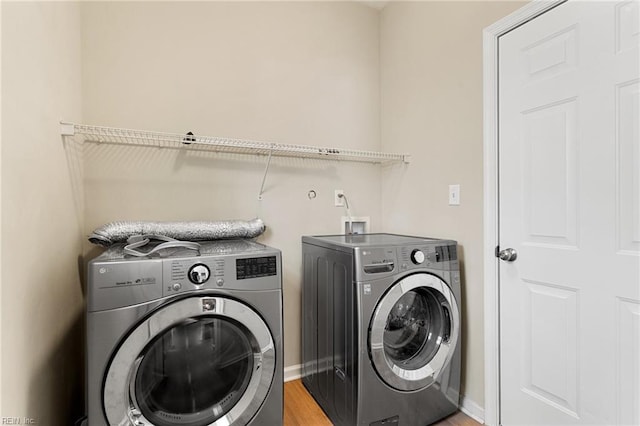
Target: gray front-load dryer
[
  {"x": 381, "y": 328},
  {"x": 186, "y": 338}
]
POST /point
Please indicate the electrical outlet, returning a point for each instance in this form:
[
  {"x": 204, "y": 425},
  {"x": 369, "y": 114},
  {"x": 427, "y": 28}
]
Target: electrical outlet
[
  {"x": 454, "y": 195},
  {"x": 338, "y": 199}
]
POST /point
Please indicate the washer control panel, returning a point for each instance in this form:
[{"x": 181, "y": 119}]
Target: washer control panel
[{"x": 428, "y": 256}]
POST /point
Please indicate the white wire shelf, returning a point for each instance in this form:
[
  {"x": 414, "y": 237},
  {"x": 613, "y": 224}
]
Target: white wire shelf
[{"x": 119, "y": 136}]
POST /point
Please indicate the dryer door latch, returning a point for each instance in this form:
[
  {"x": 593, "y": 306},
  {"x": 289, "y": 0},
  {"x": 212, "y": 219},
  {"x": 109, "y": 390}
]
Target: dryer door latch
[{"x": 208, "y": 305}]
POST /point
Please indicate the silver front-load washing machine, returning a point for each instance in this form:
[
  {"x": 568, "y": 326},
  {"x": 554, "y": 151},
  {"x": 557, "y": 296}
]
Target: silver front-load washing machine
[
  {"x": 381, "y": 328},
  {"x": 187, "y": 338}
]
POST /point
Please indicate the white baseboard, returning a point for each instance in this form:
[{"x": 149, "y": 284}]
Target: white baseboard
[
  {"x": 292, "y": 372},
  {"x": 468, "y": 406},
  {"x": 472, "y": 409}
]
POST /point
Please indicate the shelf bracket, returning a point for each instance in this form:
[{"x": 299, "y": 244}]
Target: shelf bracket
[
  {"x": 67, "y": 129},
  {"x": 266, "y": 171}
]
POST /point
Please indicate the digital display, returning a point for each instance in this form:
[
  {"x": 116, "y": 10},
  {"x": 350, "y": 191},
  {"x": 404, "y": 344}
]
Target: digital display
[{"x": 255, "y": 267}]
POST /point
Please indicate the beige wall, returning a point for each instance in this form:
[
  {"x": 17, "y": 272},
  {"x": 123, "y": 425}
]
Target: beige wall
[
  {"x": 41, "y": 292},
  {"x": 301, "y": 73},
  {"x": 431, "y": 80}
]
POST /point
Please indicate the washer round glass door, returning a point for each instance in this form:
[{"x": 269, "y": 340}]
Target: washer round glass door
[
  {"x": 196, "y": 362},
  {"x": 414, "y": 331}
]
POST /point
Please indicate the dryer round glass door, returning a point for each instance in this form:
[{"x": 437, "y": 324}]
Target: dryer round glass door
[
  {"x": 198, "y": 361},
  {"x": 414, "y": 331}
]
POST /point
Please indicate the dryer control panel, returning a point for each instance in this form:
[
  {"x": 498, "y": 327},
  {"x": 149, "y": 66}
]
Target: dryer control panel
[
  {"x": 192, "y": 274},
  {"x": 116, "y": 280},
  {"x": 224, "y": 272}
]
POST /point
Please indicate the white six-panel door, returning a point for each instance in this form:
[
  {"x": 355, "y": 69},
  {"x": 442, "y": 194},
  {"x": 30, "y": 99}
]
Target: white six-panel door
[{"x": 569, "y": 204}]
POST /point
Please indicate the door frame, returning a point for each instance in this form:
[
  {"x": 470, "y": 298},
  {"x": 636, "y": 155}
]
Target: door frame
[{"x": 491, "y": 199}]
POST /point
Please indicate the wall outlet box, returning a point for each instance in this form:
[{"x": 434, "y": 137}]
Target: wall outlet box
[
  {"x": 454, "y": 195},
  {"x": 359, "y": 225}
]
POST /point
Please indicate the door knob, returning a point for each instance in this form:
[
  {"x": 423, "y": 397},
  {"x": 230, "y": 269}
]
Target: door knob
[{"x": 508, "y": 254}]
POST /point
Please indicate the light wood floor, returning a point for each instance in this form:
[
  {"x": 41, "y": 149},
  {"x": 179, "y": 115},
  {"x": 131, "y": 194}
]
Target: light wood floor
[{"x": 300, "y": 409}]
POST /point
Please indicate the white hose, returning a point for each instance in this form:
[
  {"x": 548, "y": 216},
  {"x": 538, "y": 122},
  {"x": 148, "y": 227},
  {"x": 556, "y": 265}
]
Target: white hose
[{"x": 349, "y": 218}]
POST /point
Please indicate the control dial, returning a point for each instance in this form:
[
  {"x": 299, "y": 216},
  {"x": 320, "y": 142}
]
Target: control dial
[
  {"x": 199, "y": 274},
  {"x": 417, "y": 256}
]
